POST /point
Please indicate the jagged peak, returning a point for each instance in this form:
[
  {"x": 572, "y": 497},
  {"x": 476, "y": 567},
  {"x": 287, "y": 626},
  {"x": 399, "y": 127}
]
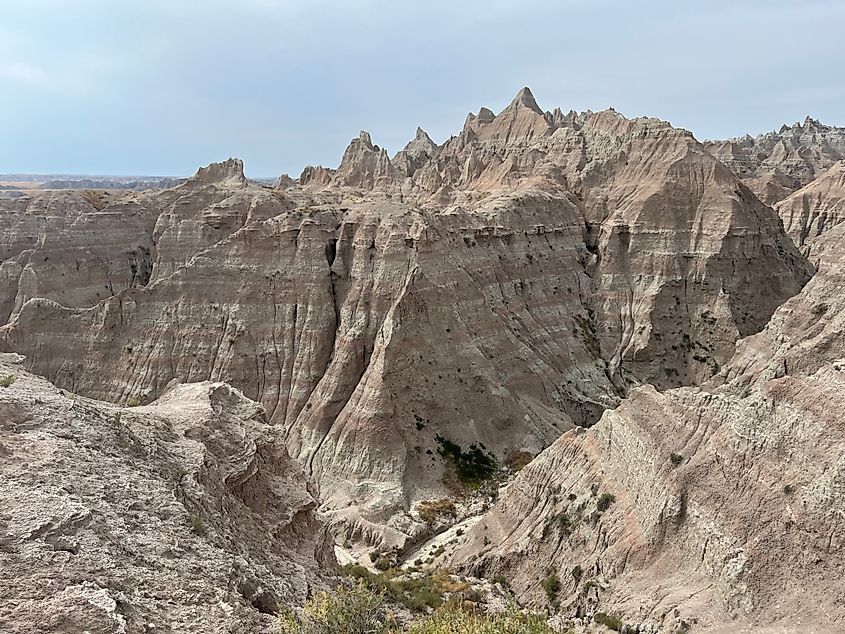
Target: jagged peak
[
  {"x": 231, "y": 169},
  {"x": 525, "y": 98},
  {"x": 421, "y": 141},
  {"x": 365, "y": 138},
  {"x": 316, "y": 175},
  {"x": 485, "y": 115},
  {"x": 809, "y": 122}
]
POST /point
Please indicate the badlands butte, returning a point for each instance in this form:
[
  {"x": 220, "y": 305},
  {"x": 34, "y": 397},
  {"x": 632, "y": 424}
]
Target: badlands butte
[{"x": 584, "y": 361}]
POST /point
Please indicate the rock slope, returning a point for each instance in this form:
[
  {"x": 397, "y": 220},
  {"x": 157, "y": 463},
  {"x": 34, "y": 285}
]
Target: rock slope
[
  {"x": 492, "y": 292},
  {"x": 815, "y": 208},
  {"x": 776, "y": 164},
  {"x": 186, "y": 515},
  {"x": 712, "y": 508}
]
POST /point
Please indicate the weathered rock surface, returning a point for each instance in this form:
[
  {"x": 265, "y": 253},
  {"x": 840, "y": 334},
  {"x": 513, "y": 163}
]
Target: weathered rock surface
[
  {"x": 815, "y": 208},
  {"x": 493, "y": 290},
  {"x": 776, "y": 164},
  {"x": 186, "y": 515},
  {"x": 726, "y": 499}
]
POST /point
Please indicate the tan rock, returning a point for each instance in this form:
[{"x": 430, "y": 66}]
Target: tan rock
[
  {"x": 184, "y": 515},
  {"x": 815, "y": 208},
  {"x": 494, "y": 291},
  {"x": 776, "y": 164},
  {"x": 725, "y": 499}
]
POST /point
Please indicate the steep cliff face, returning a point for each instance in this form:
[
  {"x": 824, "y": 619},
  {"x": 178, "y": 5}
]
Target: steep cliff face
[
  {"x": 490, "y": 292},
  {"x": 353, "y": 324},
  {"x": 815, "y": 208},
  {"x": 776, "y": 164},
  {"x": 700, "y": 506},
  {"x": 77, "y": 248},
  {"x": 680, "y": 247},
  {"x": 185, "y": 515}
]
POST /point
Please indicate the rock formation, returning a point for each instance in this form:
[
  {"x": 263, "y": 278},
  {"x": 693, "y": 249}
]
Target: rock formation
[
  {"x": 698, "y": 507},
  {"x": 492, "y": 292},
  {"x": 815, "y": 208},
  {"x": 776, "y": 164},
  {"x": 186, "y": 515}
]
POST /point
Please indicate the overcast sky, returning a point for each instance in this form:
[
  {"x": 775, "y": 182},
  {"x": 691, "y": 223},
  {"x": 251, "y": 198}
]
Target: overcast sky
[{"x": 159, "y": 87}]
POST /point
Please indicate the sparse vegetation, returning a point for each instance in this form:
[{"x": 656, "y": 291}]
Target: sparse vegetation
[
  {"x": 133, "y": 401},
  {"x": 198, "y": 524},
  {"x": 416, "y": 594},
  {"x": 430, "y": 510},
  {"x": 577, "y": 572},
  {"x": 343, "y": 611},
  {"x": 7, "y": 380},
  {"x": 609, "y": 621},
  {"x": 788, "y": 489},
  {"x": 360, "y": 610},
  {"x": 551, "y": 584},
  {"x": 675, "y": 459},
  {"x": 565, "y": 524},
  {"x": 516, "y": 461},
  {"x": 452, "y": 618},
  {"x": 472, "y": 468},
  {"x": 604, "y": 502}
]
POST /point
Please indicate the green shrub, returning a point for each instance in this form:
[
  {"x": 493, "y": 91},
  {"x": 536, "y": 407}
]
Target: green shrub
[
  {"x": 551, "y": 584},
  {"x": 133, "y": 401},
  {"x": 355, "y": 610},
  {"x": 676, "y": 459},
  {"x": 453, "y": 619},
  {"x": 604, "y": 502},
  {"x": 608, "y": 620},
  {"x": 7, "y": 380},
  {"x": 197, "y": 524},
  {"x": 418, "y": 595},
  {"x": 473, "y": 467},
  {"x": 565, "y": 523},
  {"x": 788, "y": 489},
  {"x": 577, "y": 572}
]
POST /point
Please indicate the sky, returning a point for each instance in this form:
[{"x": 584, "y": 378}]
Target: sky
[{"x": 155, "y": 87}]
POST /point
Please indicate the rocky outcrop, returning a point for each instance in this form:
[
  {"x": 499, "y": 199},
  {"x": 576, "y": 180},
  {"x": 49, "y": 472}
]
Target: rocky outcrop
[
  {"x": 76, "y": 248},
  {"x": 815, "y": 208},
  {"x": 366, "y": 166},
  {"x": 420, "y": 150},
  {"x": 184, "y": 515},
  {"x": 230, "y": 171},
  {"x": 697, "y": 507},
  {"x": 776, "y": 164},
  {"x": 493, "y": 291}
]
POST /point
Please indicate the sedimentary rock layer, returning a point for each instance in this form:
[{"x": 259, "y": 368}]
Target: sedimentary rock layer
[
  {"x": 492, "y": 291},
  {"x": 702, "y": 506},
  {"x": 815, "y": 208}
]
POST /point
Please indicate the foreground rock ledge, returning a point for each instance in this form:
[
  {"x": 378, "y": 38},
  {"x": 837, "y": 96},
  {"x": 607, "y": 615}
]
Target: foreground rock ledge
[{"x": 183, "y": 516}]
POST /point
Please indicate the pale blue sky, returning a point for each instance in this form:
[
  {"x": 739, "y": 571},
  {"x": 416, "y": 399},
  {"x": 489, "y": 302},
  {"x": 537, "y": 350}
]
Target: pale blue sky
[{"x": 159, "y": 87}]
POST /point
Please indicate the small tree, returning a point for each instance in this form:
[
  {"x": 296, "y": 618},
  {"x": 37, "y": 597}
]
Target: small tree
[
  {"x": 604, "y": 502},
  {"x": 551, "y": 584}
]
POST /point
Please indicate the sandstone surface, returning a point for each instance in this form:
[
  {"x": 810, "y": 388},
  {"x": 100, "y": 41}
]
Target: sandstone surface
[
  {"x": 492, "y": 291},
  {"x": 776, "y": 164},
  {"x": 815, "y": 208},
  {"x": 713, "y": 508},
  {"x": 186, "y": 515}
]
